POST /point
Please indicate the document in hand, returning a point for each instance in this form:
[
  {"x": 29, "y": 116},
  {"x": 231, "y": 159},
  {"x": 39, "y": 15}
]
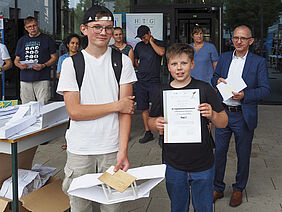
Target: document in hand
[
  {"x": 29, "y": 63},
  {"x": 89, "y": 186},
  {"x": 182, "y": 116},
  {"x": 233, "y": 84}
]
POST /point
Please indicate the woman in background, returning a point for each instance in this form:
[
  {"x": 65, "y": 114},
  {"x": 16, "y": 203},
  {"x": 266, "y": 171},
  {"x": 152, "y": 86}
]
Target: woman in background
[
  {"x": 120, "y": 45},
  {"x": 205, "y": 58},
  {"x": 72, "y": 44}
]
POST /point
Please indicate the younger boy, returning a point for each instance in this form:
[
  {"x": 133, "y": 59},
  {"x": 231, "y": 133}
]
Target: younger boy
[{"x": 188, "y": 164}]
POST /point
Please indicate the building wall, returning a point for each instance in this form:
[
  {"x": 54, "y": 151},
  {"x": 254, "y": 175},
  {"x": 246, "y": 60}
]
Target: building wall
[{"x": 28, "y": 8}]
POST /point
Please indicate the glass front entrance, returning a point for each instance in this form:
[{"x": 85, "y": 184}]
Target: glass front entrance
[{"x": 186, "y": 27}]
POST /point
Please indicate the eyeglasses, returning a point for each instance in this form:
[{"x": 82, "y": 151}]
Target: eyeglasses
[
  {"x": 243, "y": 39},
  {"x": 99, "y": 29},
  {"x": 32, "y": 26}
]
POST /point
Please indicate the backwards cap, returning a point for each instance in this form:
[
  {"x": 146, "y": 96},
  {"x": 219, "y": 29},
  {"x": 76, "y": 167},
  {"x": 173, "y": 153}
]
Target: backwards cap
[{"x": 91, "y": 14}]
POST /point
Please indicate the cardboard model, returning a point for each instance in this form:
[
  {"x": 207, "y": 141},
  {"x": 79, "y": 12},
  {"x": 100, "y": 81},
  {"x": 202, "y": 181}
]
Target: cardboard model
[{"x": 90, "y": 187}]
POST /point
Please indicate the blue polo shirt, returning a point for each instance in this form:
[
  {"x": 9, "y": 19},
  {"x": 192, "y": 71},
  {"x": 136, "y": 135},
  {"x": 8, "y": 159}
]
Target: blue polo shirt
[
  {"x": 35, "y": 48},
  {"x": 203, "y": 59}
]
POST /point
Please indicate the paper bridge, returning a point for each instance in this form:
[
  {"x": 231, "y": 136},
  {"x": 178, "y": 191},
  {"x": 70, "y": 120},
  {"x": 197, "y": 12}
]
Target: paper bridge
[{"x": 89, "y": 186}]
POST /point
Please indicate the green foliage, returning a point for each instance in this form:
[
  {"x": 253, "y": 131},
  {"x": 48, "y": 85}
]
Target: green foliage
[
  {"x": 122, "y": 6},
  {"x": 249, "y": 12}
]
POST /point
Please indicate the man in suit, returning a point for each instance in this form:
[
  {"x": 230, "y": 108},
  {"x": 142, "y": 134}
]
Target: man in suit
[{"x": 241, "y": 110}]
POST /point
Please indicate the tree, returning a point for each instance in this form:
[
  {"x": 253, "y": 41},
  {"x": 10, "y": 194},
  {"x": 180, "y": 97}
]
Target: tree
[{"x": 249, "y": 12}]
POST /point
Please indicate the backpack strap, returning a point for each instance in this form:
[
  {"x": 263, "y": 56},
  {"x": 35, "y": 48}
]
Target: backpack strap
[
  {"x": 117, "y": 63},
  {"x": 79, "y": 67}
]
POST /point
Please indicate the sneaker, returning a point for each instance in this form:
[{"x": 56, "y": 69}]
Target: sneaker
[
  {"x": 147, "y": 137},
  {"x": 161, "y": 140}
]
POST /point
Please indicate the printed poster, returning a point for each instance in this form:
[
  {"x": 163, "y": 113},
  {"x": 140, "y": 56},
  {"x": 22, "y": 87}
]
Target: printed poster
[{"x": 153, "y": 20}]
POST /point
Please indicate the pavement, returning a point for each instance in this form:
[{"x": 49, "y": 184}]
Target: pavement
[{"x": 264, "y": 189}]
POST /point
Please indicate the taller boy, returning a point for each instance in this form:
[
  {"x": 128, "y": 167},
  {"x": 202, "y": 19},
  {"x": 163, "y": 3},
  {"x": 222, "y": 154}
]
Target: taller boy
[{"x": 100, "y": 111}]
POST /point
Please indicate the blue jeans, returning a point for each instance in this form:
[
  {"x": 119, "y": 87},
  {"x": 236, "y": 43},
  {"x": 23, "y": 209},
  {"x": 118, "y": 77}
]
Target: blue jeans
[{"x": 178, "y": 185}]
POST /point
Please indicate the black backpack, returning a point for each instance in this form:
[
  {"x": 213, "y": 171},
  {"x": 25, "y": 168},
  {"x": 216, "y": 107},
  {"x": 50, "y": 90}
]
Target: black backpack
[{"x": 79, "y": 65}]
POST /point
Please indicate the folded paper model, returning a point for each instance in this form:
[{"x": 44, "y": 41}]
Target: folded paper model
[{"x": 90, "y": 187}]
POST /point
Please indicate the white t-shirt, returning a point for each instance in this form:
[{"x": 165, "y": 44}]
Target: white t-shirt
[
  {"x": 99, "y": 86},
  {"x": 4, "y": 54}
]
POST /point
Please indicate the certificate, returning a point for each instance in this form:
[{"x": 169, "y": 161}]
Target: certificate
[{"x": 181, "y": 113}]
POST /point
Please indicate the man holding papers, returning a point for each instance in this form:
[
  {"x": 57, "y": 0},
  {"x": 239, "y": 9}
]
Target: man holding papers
[
  {"x": 242, "y": 80},
  {"x": 182, "y": 111}
]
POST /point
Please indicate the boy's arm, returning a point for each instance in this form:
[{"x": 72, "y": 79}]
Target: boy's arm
[
  {"x": 157, "y": 124},
  {"x": 219, "y": 119},
  {"x": 124, "y": 131},
  {"x": 80, "y": 112}
]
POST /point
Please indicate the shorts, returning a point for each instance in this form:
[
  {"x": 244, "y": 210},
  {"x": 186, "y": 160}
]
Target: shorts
[{"x": 145, "y": 92}]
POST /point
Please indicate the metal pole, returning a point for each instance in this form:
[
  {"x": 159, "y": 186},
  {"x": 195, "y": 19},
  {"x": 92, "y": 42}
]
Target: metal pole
[
  {"x": 16, "y": 38},
  {"x": 261, "y": 28},
  {"x": 3, "y": 72},
  {"x": 220, "y": 30},
  {"x": 15, "y": 177}
]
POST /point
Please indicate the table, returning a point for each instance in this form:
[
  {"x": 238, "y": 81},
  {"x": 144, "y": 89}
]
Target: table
[{"x": 20, "y": 143}]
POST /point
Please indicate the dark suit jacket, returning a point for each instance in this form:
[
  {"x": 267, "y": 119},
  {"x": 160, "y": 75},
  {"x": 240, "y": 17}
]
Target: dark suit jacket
[{"x": 255, "y": 75}]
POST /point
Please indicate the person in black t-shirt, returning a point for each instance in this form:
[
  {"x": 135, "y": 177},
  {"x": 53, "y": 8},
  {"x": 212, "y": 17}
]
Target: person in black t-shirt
[
  {"x": 147, "y": 59},
  {"x": 39, "y": 50},
  {"x": 189, "y": 165}
]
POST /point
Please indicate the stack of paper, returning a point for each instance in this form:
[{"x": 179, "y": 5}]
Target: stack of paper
[
  {"x": 32, "y": 116},
  {"x": 8, "y": 110}
]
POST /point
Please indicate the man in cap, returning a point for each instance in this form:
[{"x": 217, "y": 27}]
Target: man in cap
[
  {"x": 147, "y": 54},
  {"x": 100, "y": 111}
]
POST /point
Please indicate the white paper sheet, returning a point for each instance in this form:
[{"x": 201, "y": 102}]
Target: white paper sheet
[
  {"x": 28, "y": 180},
  {"x": 233, "y": 84},
  {"x": 16, "y": 126},
  {"x": 88, "y": 186},
  {"x": 183, "y": 117},
  {"x": 29, "y": 63},
  {"x": 31, "y": 117},
  {"x": 25, "y": 177},
  {"x": 8, "y": 110}
]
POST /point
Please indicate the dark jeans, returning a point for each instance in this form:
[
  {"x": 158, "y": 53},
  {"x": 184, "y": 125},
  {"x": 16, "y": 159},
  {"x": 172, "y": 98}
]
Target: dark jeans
[
  {"x": 178, "y": 184},
  {"x": 243, "y": 140}
]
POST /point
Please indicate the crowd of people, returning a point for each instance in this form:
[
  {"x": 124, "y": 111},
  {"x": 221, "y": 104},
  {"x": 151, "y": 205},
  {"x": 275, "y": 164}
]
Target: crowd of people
[{"x": 101, "y": 104}]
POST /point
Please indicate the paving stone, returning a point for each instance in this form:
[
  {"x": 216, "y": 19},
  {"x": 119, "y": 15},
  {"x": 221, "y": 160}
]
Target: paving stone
[{"x": 264, "y": 189}]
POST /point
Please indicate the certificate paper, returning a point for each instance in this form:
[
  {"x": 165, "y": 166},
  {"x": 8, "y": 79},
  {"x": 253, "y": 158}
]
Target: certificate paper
[{"x": 181, "y": 113}]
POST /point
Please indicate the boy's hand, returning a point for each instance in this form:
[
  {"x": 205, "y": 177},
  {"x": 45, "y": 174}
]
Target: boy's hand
[
  {"x": 206, "y": 110},
  {"x": 159, "y": 123},
  {"x": 126, "y": 105},
  {"x": 122, "y": 162}
]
